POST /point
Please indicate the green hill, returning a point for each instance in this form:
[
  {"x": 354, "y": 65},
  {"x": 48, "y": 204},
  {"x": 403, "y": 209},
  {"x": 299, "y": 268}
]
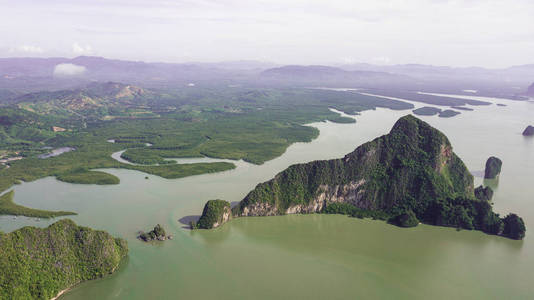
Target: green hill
[
  {"x": 39, "y": 263},
  {"x": 412, "y": 171}
]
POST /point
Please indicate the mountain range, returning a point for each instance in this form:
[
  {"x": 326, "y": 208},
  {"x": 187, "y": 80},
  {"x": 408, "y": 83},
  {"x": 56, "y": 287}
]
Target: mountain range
[{"x": 32, "y": 74}]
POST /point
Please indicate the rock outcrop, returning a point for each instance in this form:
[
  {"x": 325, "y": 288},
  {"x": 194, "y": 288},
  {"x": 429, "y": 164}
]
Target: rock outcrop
[
  {"x": 39, "y": 263},
  {"x": 529, "y": 131},
  {"x": 484, "y": 193},
  {"x": 215, "y": 213},
  {"x": 493, "y": 168},
  {"x": 157, "y": 234},
  {"x": 408, "y": 176}
]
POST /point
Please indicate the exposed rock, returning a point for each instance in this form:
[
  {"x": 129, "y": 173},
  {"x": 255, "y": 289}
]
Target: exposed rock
[
  {"x": 157, "y": 234},
  {"x": 484, "y": 193},
  {"x": 408, "y": 175},
  {"x": 529, "y": 131},
  {"x": 215, "y": 213},
  {"x": 493, "y": 168}
]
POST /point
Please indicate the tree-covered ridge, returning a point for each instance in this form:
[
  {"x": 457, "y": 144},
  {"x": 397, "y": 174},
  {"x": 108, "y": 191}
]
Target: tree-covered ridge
[
  {"x": 38, "y": 263},
  {"x": 412, "y": 171}
]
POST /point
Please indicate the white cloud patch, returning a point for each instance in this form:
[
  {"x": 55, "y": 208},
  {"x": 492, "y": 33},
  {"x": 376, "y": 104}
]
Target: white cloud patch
[
  {"x": 68, "y": 70},
  {"x": 82, "y": 50},
  {"x": 27, "y": 49}
]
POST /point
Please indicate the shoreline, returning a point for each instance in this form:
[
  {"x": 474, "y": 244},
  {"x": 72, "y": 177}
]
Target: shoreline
[{"x": 60, "y": 293}]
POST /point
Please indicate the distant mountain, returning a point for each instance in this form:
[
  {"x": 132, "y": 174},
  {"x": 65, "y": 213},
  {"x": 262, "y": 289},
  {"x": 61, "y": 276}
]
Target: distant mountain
[
  {"x": 326, "y": 75},
  {"x": 25, "y": 75},
  {"x": 32, "y": 74},
  {"x": 95, "y": 99},
  {"x": 518, "y": 74}
]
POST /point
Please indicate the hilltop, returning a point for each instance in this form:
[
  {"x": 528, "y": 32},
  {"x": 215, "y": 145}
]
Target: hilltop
[{"x": 39, "y": 263}]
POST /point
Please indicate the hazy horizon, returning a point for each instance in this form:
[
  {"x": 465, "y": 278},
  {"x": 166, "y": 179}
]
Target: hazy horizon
[{"x": 490, "y": 34}]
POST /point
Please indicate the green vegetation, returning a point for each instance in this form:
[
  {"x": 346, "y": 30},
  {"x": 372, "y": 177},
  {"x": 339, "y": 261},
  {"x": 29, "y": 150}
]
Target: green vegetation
[
  {"x": 255, "y": 125},
  {"x": 158, "y": 233},
  {"x": 343, "y": 208},
  {"x": 427, "y": 111},
  {"x": 145, "y": 157},
  {"x": 448, "y": 113},
  {"x": 215, "y": 213},
  {"x": 39, "y": 263},
  {"x": 408, "y": 175},
  {"x": 493, "y": 168},
  {"x": 514, "y": 227},
  {"x": 85, "y": 176},
  {"x": 484, "y": 193},
  {"x": 8, "y": 207},
  {"x": 405, "y": 219}
]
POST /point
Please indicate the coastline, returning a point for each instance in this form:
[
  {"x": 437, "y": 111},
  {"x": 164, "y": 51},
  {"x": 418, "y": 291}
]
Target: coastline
[{"x": 61, "y": 293}]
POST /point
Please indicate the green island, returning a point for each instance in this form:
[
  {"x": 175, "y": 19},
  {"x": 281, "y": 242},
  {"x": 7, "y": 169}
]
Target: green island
[
  {"x": 255, "y": 125},
  {"x": 8, "y": 207},
  {"x": 85, "y": 176},
  {"x": 40, "y": 263},
  {"x": 432, "y": 111},
  {"x": 408, "y": 176},
  {"x": 215, "y": 213}
]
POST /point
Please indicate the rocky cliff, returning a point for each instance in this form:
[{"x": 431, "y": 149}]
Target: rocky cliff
[
  {"x": 493, "y": 168},
  {"x": 38, "y": 263},
  {"x": 409, "y": 174},
  {"x": 413, "y": 163}
]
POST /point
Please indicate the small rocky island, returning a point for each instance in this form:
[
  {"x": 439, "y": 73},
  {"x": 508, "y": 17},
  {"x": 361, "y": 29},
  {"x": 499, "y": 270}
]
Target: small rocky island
[
  {"x": 493, "y": 168},
  {"x": 529, "y": 131},
  {"x": 408, "y": 176},
  {"x": 215, "y": 213},
  {"x": 157, "y": 234}
]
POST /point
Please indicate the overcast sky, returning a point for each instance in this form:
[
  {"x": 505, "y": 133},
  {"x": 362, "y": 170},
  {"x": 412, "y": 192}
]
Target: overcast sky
[{"x": 490, "y": 33}]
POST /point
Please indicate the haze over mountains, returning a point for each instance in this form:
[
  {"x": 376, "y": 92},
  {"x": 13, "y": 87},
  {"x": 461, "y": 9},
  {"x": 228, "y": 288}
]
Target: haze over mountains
[{"x": 33, "y": 74}]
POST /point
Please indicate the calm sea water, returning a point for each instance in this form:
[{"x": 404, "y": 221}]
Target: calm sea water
[{"x": 309, "y": 256}]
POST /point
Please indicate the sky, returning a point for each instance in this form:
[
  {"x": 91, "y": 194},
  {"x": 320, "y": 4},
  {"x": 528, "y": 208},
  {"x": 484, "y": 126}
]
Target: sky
[{"x": 487, "y": 33}]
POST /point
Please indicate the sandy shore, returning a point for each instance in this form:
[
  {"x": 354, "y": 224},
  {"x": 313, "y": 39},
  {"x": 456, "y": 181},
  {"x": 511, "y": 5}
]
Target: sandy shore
[{"x": 60, "y": 293}]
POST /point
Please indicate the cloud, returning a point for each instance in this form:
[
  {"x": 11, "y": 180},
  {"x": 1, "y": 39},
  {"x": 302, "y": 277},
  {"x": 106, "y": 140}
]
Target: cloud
[
  {"x": 81, "y": 50},
  {"x": 68, "y": 70},
  {"x": 27, "y": 49}
]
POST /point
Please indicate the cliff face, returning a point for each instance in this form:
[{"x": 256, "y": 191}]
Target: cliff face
[
  {"x": 38, "y": 263},
  {"x": 410, "y": 167},
  {"x": 215, "y": 213},
  {"x": 493, "y": 168}
]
